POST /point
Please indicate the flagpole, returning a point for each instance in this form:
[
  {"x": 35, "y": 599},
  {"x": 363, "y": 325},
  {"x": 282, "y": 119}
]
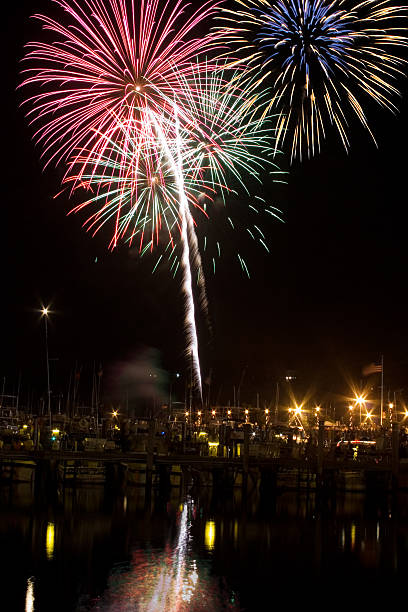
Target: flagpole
[{"x": 382, "y": 389}]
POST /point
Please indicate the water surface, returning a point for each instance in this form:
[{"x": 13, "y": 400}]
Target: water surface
[{"x": 91, "y": 550}]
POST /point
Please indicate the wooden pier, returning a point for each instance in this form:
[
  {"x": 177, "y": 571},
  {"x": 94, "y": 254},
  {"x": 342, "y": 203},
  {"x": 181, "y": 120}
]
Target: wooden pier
[{"x": 319, "y": 471}]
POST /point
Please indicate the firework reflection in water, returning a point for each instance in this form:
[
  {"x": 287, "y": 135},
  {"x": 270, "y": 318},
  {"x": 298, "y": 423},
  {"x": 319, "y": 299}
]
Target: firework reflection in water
[{"x": 167, "y": 580}]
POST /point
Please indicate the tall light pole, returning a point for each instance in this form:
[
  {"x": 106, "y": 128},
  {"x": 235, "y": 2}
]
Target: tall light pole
[
  {"x": 177, "y": 375},
  {"x": 45, "y": 313}
]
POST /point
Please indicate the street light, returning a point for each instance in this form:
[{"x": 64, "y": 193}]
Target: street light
[
  {"x": 360, "y": 400},
  {"x": 45, "y": 313},
  {"x": 369, "y": 415}
]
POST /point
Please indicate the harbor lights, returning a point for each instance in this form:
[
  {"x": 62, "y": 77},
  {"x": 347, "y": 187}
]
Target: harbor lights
[{"x": 45, "y": 314}]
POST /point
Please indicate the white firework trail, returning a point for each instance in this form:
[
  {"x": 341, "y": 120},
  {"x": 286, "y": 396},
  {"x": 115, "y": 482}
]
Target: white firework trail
[
  {"x": 187, "y": 282},
  {"x": 199, "y": 266}
]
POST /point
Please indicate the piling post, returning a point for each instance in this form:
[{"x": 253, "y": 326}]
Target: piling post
[
  {"x": 36, "y": 434},
  {"x": 183, "y": 438},
  {"x": 320, "y": 450},
  {"x": 245, "y": 457},
  {"x": 149, "y": 454},
  {"x": 221, "y": 439},
  {"x": 395, "y": 454}
]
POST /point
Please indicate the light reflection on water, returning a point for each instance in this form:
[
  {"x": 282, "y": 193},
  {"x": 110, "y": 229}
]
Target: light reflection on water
[
  {"x": 92, "y": 551},
  {"x": 29, "y": 601},
  {"x": 50, "y": 541},
  {"x": 209, "y": 536},
  {"x": 169, "y": 579}
]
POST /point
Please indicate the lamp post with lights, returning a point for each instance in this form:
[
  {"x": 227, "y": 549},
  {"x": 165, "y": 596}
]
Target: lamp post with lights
[
  {"x": 45, "y": 313},
  {"x": 351, "y": 416},
  {"x": 390, "y": 411}
]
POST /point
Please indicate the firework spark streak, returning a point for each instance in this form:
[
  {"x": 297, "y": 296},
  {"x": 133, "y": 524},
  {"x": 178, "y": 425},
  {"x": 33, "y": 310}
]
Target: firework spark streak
[
  {"x": 142, "y": 186},
  {"x": 230, "y": 138},
  {"x": 323, "y": 57},
  {"x": 224, "y": 138},
  {"x": 113, "y": 62},
  {"x": 187, "y": 283}
]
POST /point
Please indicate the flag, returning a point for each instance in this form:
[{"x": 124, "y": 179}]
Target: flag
[{"x": 372, "y": 368}]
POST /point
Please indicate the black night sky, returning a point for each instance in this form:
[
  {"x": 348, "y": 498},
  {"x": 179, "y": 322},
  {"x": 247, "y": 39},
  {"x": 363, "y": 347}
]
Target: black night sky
[{"x": 330, "y": 297}]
